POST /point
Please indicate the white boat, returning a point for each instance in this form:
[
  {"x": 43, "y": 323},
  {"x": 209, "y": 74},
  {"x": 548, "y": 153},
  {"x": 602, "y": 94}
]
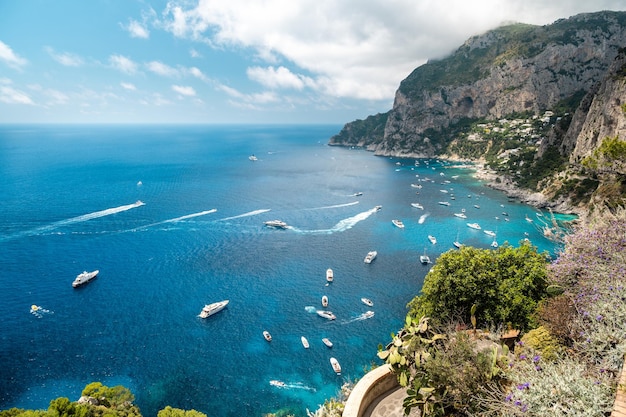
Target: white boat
[
  {"x": 367, "y": 302},
  {"x": 476, "y": 206},
  {"x": 327, "y": 342},
  {"x": 444, "y": 191},
  {"x": 279, "y": 224},
  {"x": 494, "y": 244},
  {"x": 398, "y": 223},
  {"x": 474, "y": 226},
  {"x": 253, "y": 158},
  {"x": 210, "y": 309},
  {"x": 305, "y": 342},
  {"x": 324, "y": 301},
  {"x": 444, "y": 203},
  {"x": 368, "y": 314},
  {"x": 277, "y": 383},
  {"x": 425, "y": 259},
  {"x": 432, "y": 239},
  {"x": 326, "y": 314},
  {"x": 528, "y": 219},
  {"x": 378, "y": 208},
  {"x": 416, "y": 185},
  {"x": 417, "y": 206},
  {"x": 371, "y": 255},
  {"x": 460, "y": 215},
  {"x": 84, "y": 277},
  {"x": 457, "y": 244},
  {"x": 490, "y": 233},
  {"x": 329, "y": 275},
  {"x": 358, "y": 194},
  {"x": 267, "y": 335},
  {"x": 335, "y": 364}
]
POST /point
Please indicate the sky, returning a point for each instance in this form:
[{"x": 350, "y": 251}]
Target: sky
[{"x": 233, "y": 61}]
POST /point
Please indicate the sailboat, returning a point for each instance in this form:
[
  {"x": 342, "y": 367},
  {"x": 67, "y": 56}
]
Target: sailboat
[
  {"x": 494, "y": 244},
  {"x": 456, "y": 243},
  {"x": 424, "y": 259}
]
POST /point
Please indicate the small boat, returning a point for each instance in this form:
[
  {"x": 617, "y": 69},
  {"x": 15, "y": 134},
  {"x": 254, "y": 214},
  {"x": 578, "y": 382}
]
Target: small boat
[
  {"x": 326, "y": 314},
  {"x": 324, "y": 301},
  {"x": 378, "y": 208},
  {"x": 474, "y": 226},
  {"x": 490, "y": 233},
  {"x": 358, "y": 194},
  {"x": 432, "y": 239},
  {"x": 305, "y": 342},
  {"x": 416, "y": 185},
  {"x": 210, "y": 309},
  {"x": 476, "y": 206},
  {"x": 460, "y": 215},
  {"x": 528, "y": 219},
  {"x": 327, "y": 342},
  {"x": 417, "y": 206},
  {"x": 253, "y": 158},
  {"x": 494, "y": 244},
  {"x": 371, "y": 255},
  {"x": 277, "y": 383},
  {"x": 329, "y": 275},
  {"x": 367, "y": 302},
  {"x": 267, "y": 335},
  {"x": 444, "y": 203},
  {"x": 84, "y": 277},
  {"x": 368, "y": 314},
  {"x": 335, "y": 364},
  {"x": 424, "y": 259},
  {"x": 278, "y": 224},
  {"x": 444, "y": 191},
  {"x": 457, "y": 244},
  {"x": 398, "y": 223}
]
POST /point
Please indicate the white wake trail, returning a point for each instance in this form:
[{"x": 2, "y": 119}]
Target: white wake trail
[
  {"x": 423, "y": 218},
  {"x": 189, "y": 216},
  {"x": 250, "y": 213},
  {"x": 335, "y": 206},
  {"x": 343, "y": 225}
]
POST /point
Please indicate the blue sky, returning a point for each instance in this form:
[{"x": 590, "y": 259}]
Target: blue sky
[{"x": 232, "y": 61}]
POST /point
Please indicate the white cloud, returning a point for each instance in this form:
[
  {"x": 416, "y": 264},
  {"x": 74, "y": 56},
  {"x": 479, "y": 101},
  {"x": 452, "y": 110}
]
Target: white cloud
[
  {"x": 123, "y": 64},
  {"x": 12, "y": 96},
  {"x": 137, "y": 30},
  {"x": 353, "y": 48},
  {"x": 128, "y": 86},
  {"x": 249, "y": 101},
  {"x": 184, "y": 90},
  {"x": 65, "y": 58},
  {"x": 280, "y": 77},
  {"x": 197, "y": 73},
  {"x": 11, "y": 58},
  {"x": 194, "y": 53},
  {"x": 162, "y": 69}
]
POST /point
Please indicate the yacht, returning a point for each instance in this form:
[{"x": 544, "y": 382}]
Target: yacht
[
  {"x": 210, "y": 309},
  {"x": 326, "y": 314},
  {"x": 305, "y": 342},
  {"x": 474, "y": 226},
  {"x": 432, "y": 239},
  {"x": 460, "y": 215},
  {"x": 490, "y": 233},
  {"x": 367, "y": 302},
  {"x": 278, "y": 224},
  {"x": 335, "y": 364},
  {"x": 417, "y": 206},
  {"x": 84, "y": 277},
  {"x": 371, "y": 255},
  {"x": 444, "y": 203},
  {"x": 329, "y": 275},
  {"x": 398, "y": 223}
]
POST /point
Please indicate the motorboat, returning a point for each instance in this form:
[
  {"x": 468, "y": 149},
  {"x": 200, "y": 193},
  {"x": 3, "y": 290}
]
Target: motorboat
[
  {"x": 416, "y": 185},
  {"x": 267, "y": 335},
  {"x": 425, "y": 259},
  {"x": 398, "y": 223},
  {"x": 444, "y": 191},
  {"x": 335, "y": 364},
  {"x": 367, "y": 302},
  {"x": 368, "y": 314},
  {"x": 326, "y": 314},
  {"x": 371, "y": 255},
  {"x": 417, "y": 206},
  {"x": 460, "y": 215},
  {"x": 476, "y": 206},
  {"x": 473, "y": 226},
  {"x": 278, "y": 224},
  {"x": 277, "y": 383},
  {"x": 329, "y": 275},
  {"x": 305, "y": 342},
  {"x": 489, "y": 232},
  {"x": 358, "y": 194},
  {"x": 253, "y": 158},
  {"x": 378, "y": 208},
  {"x": 457, "y": 244},
  {"x": 324, "y": 301},
  {"x": 327, "y": 342},
  {"x": 528, "y": 219},
  {"x": 444, "y": 203},
  {"x": 84, "y": 277},
  {"x": 210, "y": 309},
  {"x": 432, "y": 239}
]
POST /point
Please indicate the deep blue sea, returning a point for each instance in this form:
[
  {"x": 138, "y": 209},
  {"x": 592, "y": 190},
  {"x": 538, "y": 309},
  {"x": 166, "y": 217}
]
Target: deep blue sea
[{"x": 69, "y": 198}]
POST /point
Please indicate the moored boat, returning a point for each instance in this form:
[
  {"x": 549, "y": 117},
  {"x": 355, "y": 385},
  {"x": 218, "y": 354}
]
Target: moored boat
[
  {"x": 367, "y": 301},
  {"x": 489, "y": 232},
  {"x": 330, "y": 276},
  {"x": 212, "y": 308},
  {"x": 474, "y": 226},
  {"x": 267, "y": 335},
  {"x": 432, "y": 239},
  {"x": 305, "y": 342},
  {"x": 327, "y": 342},
  {"x": 253, "y": 158},
  {"x": 84, "y": 277},
  {"x": 371, "y": 255},
  {"x": 398, "y": 223},
  {"x": 335, "y": 364},
  {"x": 417, "y": 206},
  {"x": 326, "y": 314},
  {"x": 444, "y": 203},
  {"x": 324, "y": 301},
  {"x": 424, "y": 259},
  {"x": 460, "y": 215}
]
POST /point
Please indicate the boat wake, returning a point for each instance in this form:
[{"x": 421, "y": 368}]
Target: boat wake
[
  {"x": 73, "y": 220},
  {"x": 310, "y": 309},
  {"x": 248, "y": 214},
  {"x": 39, "y": 311},
  {"x": 335, "y": 206},
  {"x": 423, "y": 218},
  {"x": 342, "y": 226},
  {"x": 291, "y": 385},
  {"x": 188, "y": 216},
  {"x": 360, "y": 317}
]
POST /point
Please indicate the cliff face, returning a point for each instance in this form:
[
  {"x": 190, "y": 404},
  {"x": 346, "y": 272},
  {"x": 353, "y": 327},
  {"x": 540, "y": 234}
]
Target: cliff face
[{"x": 511, "y": 70}]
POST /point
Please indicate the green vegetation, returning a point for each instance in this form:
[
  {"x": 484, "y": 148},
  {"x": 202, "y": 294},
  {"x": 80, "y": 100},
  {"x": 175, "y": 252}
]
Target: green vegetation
[
  {"x": 609, "y": 157},
  {"x": 505, "y": 286},
  {"x": 366, "y": 131}
]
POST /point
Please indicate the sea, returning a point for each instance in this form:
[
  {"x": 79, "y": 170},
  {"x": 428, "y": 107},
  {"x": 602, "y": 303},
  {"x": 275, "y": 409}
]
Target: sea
[{"x": 173, "y": 217}]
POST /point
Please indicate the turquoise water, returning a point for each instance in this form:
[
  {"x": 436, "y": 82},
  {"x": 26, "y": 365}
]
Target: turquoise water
[{"x": 69, "y": 195}]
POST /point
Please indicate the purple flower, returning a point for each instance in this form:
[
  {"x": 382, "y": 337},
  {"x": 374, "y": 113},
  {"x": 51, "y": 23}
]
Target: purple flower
[
  {"x": 599, "y": 317},
  {"x": 536, "y": 358},
  {"x": 508, "y": 397},
  {"x": 522, "y": 356},
  {"x": 523, "y": 386},
  {"x": 524, "y": 408}
]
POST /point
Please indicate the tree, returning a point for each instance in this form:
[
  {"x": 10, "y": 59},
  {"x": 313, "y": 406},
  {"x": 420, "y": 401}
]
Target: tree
[
  {"x": 177, "y": 412},
  {"x": 505, "y": 285}
]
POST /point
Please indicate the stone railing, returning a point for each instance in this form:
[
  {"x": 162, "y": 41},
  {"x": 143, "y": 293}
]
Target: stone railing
[
  {"x": 369, "y": 388},
  {"x": 619, "y": 407}
]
